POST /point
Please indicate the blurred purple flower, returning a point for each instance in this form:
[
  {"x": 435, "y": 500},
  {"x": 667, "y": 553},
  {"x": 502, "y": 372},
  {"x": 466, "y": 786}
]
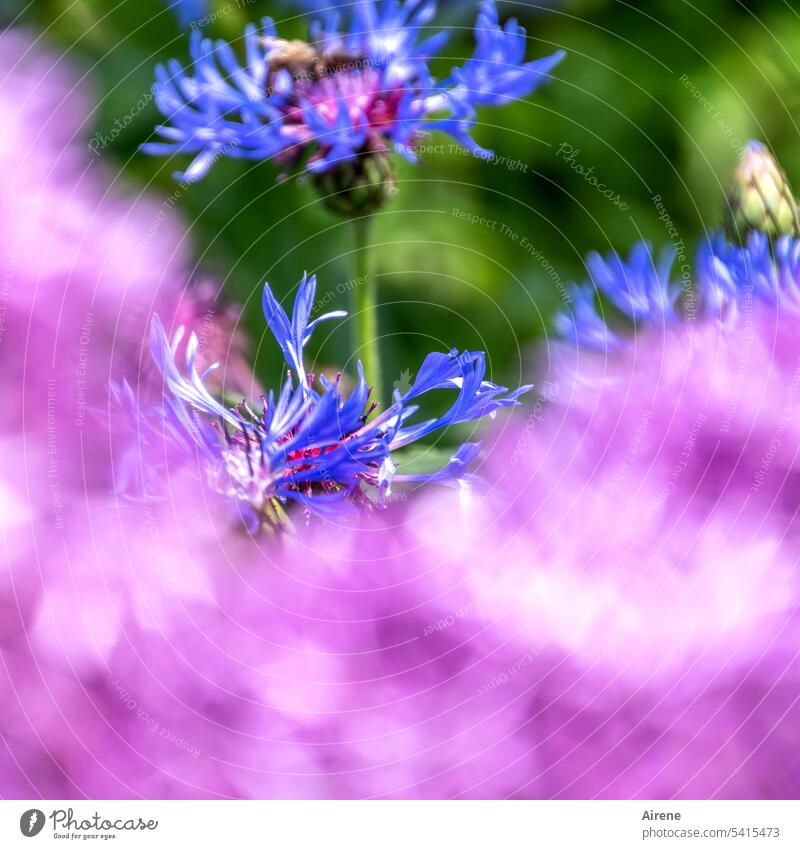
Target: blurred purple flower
[
  {"x": 618, "y": 618},
  {"x": 622, "y": 623},
  {"x": 83, "y": 266}
]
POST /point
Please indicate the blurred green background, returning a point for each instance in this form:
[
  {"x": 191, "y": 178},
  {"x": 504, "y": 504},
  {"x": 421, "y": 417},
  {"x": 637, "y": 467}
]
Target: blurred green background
[{"x": 655, "y": 98}]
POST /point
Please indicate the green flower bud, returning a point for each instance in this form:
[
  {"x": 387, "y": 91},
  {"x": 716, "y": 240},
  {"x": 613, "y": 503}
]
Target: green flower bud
[
  {"x": 358, "y": 188},
  {"x": 760, "y": 198}
]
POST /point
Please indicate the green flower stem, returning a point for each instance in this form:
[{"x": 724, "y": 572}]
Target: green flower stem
[{"x": 365, "y": 306}]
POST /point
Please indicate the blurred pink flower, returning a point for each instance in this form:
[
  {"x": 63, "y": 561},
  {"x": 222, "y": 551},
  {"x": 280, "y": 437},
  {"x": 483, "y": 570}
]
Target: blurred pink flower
[
  {"x": 617, "y": 617},
  {"x": 84, "y": 268}
]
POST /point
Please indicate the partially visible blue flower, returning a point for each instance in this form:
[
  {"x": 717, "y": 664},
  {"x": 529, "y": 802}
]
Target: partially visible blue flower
[
  {"x": 643, "y": 291},
  {"x": 188, "y": 11},
  {"x": 640, "y": 288},
  {"x": 453, "y": 8},
  {"x": 353, "y": 91},
  {"x": 309, "y": 444}
]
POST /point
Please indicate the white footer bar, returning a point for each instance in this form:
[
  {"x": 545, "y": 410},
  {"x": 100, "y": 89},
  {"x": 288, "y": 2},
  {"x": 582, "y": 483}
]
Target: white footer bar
[{"x": 403, "y": 825}]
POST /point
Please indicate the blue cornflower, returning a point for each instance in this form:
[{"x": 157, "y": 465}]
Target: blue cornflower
[
  {"x": 757, "y": 261},
  {"x": 763, "y": 270},
  {"x": 311, "y": 446},
  {"x": 642, "y": 289},
  {"x": 352, "y": 93}
]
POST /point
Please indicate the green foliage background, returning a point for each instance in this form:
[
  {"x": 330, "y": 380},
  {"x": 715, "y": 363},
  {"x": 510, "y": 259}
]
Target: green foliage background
[{"x": 655, "y": 97}]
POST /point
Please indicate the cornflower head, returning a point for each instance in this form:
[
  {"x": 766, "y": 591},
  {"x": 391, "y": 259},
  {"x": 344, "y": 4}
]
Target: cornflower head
[
  {"x": 308, "y": 444},
  {"x": 756, "y": 262},
  {"x": 339, "y": 104}
]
